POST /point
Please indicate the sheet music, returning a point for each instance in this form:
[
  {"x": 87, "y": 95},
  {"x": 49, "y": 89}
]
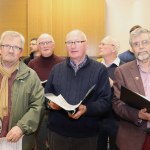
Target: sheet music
[
  {"x": 5, "y": 145},
  {"x": 60, "y": 101}
]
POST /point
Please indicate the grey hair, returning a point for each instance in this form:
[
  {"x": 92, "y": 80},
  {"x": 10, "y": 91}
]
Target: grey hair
[
  {"x": 110, "y": 40},
  {"x": 77, "y": 31},
  {"x": 136, "y": 33},
  {"x": 45, "y": 35},
  {"x": 13, "y": 34}
]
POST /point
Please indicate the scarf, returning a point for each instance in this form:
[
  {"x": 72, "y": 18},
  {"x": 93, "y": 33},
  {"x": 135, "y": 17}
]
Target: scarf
[{"x": 4, "y": 88}]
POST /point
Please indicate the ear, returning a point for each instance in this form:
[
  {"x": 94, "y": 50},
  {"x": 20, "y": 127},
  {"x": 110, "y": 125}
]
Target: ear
[
  {"x": 0, "y": 50},
  {"x": 38, "y": 46},
  {"x": 21, "y": 53},
  {"x": 114, "y": 49},
  {"x": 86, "y": 45},
  {"x": 53, "y": 45}
]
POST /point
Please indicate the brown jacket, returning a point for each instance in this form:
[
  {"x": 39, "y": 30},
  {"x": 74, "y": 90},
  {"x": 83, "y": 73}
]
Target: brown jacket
[{"x": 131, "y": 133}]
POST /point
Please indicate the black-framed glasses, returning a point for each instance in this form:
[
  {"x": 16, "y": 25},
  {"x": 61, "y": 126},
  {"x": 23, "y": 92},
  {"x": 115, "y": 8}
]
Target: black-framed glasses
[
  {"x": 8, "y": 47},
  {"x": 69, "y": 43},
  {"x": 143, "y": 43},
  {"x": 45, "y": 43}
]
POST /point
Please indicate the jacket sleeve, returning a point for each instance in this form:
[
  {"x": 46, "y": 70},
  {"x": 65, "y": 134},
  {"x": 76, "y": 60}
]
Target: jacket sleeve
[
  {"x": 34, "y": 105},
  {"x": 102, "y": 99},
  {"x": 123, "y": 110}
]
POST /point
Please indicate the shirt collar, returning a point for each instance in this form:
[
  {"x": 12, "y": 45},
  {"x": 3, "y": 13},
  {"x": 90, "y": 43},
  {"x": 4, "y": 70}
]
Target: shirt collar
[
  {"x": 139, "y": 66},
  {"x": 77, "y": 67},
  {"x": 116, "y": 62}
]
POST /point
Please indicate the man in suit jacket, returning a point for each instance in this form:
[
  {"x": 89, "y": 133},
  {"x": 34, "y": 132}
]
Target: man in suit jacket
[{"x": 135, "y": 75}]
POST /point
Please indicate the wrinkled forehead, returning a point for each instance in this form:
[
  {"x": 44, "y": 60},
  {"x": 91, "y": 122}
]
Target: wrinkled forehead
[
  {"x": 9, "y": 39},
  {"x": 107, "y": 41},
  {"x": 45, "y": 39},
  {"x": 141, "y": 36},
  {"x": 74, "y": 36}
]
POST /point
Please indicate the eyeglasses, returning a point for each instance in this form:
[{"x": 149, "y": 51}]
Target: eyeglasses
[
  {"x": 8, "y": 47},
  {"x": 143, "y": 43},
  {"x": 69, "y": 43},
  {"x": 45, "y": 43},
  {"x": 103, "y": 44}
]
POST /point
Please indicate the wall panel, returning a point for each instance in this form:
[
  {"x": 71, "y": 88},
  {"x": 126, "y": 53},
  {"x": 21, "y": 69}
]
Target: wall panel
[
  {"x": 56, "y": 17},
  {"x": 13, "y": 16}
]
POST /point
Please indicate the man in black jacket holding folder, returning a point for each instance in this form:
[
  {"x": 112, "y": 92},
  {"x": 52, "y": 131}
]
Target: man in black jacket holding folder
[
  {"x": 135, "y": 75},
  {"x": 72, "y": 79}
]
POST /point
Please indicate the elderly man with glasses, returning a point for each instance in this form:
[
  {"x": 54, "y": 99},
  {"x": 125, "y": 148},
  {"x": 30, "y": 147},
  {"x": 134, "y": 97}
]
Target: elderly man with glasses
[
  {"x": 21, "y": 93},
  {"x": 108, "y": 50},
  {"x": 133, "y": 133},
  {"x": 43, "y": 65},
  {"x": 72, "y": 79}
]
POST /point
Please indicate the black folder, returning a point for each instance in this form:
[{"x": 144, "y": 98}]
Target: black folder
[{"x": 134, "y": 99}]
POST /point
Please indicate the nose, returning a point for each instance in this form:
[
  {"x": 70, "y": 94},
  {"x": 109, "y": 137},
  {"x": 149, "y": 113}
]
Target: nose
[
  {"x": 141, "y": 45},
  {"x": 11, "y": 50},
  {"x": 45, "y": 44},
  {"x": 100, "y": 46},
  {"x": 73, "y": 45}
]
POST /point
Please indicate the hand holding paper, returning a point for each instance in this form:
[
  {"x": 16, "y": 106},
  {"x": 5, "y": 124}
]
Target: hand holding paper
[
  {"x": 14, "y": 134},
  {"x": 81, "y": 110},
  {"x": 54, "y": 105},
  {"x": 61, "y": 102}
]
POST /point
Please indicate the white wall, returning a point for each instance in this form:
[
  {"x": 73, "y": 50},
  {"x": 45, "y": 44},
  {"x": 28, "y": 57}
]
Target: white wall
[{"x": 121, "y": 15}]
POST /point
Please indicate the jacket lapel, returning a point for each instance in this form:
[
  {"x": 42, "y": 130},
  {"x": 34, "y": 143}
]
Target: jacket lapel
[{"x": 134, "y": 70}]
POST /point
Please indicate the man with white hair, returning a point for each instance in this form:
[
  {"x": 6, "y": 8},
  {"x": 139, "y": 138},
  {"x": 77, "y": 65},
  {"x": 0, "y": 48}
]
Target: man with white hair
[
  {"x": 72, "y": 79},
  {"x": 43, "y": 65},
  {"x": 21, "y": 93},
  {"x": 108, "y": 50},
  {"x": 134, "y": 125}
]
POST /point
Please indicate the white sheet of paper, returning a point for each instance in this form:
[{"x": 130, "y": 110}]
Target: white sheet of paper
[
  {"x": 60, "y": 101},
  {"x": 5, "y": 145}
]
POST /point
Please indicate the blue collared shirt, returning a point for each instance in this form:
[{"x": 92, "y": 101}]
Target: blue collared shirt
[{"x": 77, "y": 67}]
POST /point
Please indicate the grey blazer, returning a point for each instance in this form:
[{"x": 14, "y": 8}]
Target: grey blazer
[{"x": 131, "y": 133}]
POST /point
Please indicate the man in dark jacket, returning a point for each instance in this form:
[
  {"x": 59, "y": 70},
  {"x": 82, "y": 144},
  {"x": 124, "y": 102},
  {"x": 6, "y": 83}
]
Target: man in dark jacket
[
  {"x": 34, "y": 51},
  {"x": 72, "y": 79}
]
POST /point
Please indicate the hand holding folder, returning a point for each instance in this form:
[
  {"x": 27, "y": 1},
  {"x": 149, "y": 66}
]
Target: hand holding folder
[
  {"x": 60, "y": 101},
  {"x": 134, "y": 99}
]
